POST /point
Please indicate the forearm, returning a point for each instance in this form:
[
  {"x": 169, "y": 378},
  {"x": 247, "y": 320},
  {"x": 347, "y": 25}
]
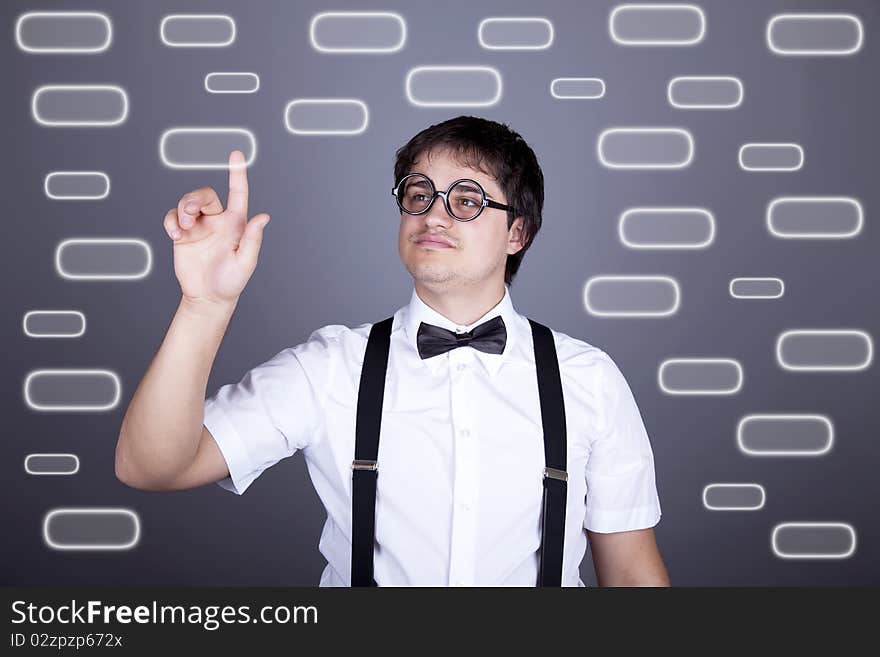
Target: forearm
[{"x": 160, "y": 432}]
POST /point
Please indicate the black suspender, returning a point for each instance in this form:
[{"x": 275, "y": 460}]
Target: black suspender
[
  {"x": 366, "y": 452},
  {"x": 555, "y": 475}
]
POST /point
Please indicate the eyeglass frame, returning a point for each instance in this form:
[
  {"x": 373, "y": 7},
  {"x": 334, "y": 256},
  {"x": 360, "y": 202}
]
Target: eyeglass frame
[{"x": 487, "y": 203}]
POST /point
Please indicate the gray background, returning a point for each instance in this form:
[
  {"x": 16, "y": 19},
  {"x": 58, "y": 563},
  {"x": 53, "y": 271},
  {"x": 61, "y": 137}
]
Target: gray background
[{"x": 332, "y": 258}]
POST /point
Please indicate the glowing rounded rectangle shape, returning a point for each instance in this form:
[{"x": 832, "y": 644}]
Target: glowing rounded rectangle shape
[
  {"x": 357, "y": 32},
  {"x": 784, "y": 434},
  {"x": 700, "y": 376},
  {"x": 54, "y": 323},
  {"x": 205, "y": 147},
  {"x": 770, "y": 156},
  {"x": 515, "y": 33},
  {"x": 828, "y": 350},
  {"x": 625, "y": 148},
  {"x": 51, "y": 464},
  {"x": 197, "y": 30},
  {"x": 705, "y": 92},
  {"x": 827, "y": 34},
  {"x": 631, "y": 296},
  {"x": 72, "y": 390},
  {"x": 326, "y": 116},
  {"x": 734, "y": 497},
  {"x": 813, "y": 540},
  {"x": 666, "y": 228},
  {"x": 814, "y": 217},
  {"x": 63, "y": 32},
  {"x": 453, "y": 86},
  {"x": 95, "y": 258},
  {"x": 79, "y": 105},
  {"x": 232, "y": 82},
  {"x": 756, "y": 288},
  {"x": 577, "y": 88},
  {"x": 91, "y": 528},
  {"x": 76, "y": 185},
  {"x": 669, "y": 24}
]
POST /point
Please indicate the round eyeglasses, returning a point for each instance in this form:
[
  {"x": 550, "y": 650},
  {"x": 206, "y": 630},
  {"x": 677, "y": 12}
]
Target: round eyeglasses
[{"x": 464, "y": 199}]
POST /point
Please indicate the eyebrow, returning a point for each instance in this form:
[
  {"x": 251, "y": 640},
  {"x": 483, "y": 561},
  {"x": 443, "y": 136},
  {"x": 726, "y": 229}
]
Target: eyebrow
[{"x": 422, "y": 183}]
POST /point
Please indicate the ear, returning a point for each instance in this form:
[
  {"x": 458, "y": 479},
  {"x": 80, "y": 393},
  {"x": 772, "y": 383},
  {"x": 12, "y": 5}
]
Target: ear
[{"x": 515, "y": 236}]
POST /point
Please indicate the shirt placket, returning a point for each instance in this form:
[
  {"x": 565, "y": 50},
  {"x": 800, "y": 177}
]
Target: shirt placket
[{"x": 463, "y": 543}]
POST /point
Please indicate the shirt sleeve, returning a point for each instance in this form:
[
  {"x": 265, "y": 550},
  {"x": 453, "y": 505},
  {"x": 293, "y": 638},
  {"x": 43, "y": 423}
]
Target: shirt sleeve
[
  {"x": 621, "y": 486},
  {"x": 273, "y": 411}
]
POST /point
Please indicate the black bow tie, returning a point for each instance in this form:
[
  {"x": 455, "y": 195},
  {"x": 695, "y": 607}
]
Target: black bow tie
[{"x": 490, "y": 336}]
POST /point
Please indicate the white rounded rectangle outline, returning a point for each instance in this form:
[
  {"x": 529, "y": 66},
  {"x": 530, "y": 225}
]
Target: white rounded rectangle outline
[
  {"x": 357, "y": 14},
  {"x": 759, "y": 145},
  {"x": 321, "y": 101},
  {"x": 785, "y": 417},
  {"x": 103, "y": 240},
  {"x": 825, "y": 368},
  {"x": 233, "y": 91},
  {"x": 63, "y": 372},
  {"x": 815, "y": 17},
  {"x": 672, "y": 82},
  {"x": 681, "y": 165},
  {"x": 627, "y": 277},
  {"x": 196, "y": 44},
  {"x": 657, "y": 42},
  {"x": 44, "y": 472},
  {"x": 208, "y": 165},
  {"x": 555, "y": 95},
  {"x": 59, "y": 14},
  {"x": 24, "y": 323},
  {"x": 668, "y": 391},
  {"x": 56, "y": 197},
  {"x": 815, "y": 199},
  {"x": 515, "y": 19},
  {"x": 756, "y": 296},
  {"x": 459, "y": 69},
  {"x": 79, "y": 87},
  {"x": 816, "y": 555},
  {"x": 91, "y": 510},
  {"x": 734, "y": 508},
  {"x": 667, "y": 245}
]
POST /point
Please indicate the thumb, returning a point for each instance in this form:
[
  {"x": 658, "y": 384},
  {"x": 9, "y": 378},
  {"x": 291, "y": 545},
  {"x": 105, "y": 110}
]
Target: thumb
[{"x": 249, "y": 246}]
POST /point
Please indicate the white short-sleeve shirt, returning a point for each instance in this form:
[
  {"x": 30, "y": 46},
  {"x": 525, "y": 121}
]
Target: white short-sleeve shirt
[{"x": 461, "y": 450}]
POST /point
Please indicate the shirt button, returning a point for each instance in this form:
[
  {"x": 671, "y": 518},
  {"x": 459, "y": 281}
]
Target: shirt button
[
  {"x": 458, "y": 582},
  {"x": 465, "y": 433},
  {"x": 460, "y": 366}
]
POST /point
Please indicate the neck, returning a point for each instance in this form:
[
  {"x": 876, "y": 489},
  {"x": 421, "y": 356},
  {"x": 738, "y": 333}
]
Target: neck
[{"x": 462, "y": 306}]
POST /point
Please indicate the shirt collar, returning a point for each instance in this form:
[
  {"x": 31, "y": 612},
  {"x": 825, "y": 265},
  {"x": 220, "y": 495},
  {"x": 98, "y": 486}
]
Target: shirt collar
[{"x": 418, "y": 311}]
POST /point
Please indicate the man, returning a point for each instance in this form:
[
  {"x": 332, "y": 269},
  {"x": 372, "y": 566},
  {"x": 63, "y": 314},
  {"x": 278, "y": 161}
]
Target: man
[{"x": 459, "y": 489}]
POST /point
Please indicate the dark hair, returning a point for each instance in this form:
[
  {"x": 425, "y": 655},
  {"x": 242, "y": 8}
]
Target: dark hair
[{"x": 497, "y": 151}]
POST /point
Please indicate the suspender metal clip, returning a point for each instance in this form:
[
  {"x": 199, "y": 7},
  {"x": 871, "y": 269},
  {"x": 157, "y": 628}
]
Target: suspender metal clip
[
  {"x": 362, "y": 464},
  {"x": 555, "y": 474}
]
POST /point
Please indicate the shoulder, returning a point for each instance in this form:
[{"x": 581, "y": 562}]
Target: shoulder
[
  {"x": 583, "y": 361},
  {"x": 338, "y": 340}
]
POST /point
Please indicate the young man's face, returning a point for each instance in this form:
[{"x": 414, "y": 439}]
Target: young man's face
[{"x": 479, "y": 248}]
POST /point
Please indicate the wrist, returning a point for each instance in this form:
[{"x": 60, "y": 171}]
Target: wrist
[{"x": 204, "y": 307}]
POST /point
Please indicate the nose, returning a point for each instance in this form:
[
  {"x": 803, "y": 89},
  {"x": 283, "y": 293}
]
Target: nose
[{"x": 437, "y": 215}]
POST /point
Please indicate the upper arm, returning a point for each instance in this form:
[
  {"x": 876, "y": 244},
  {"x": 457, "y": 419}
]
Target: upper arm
[
  {"x": 629, "y": 558},
  {"x": 276, "y": 409},
  {"x": 208, "y": 465},
  {"x": 620, "y": 478}
]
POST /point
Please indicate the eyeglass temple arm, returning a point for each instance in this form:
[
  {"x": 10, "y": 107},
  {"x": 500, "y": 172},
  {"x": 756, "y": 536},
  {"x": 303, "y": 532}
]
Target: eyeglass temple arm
[{"x": 499, "y": 206}]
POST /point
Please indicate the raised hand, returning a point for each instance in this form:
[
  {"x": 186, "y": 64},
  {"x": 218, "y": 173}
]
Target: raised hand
[{"x": 216, "y": 249}]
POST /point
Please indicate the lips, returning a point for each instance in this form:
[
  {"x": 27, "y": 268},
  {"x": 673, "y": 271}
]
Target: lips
[{"x": 434, "y": 240}]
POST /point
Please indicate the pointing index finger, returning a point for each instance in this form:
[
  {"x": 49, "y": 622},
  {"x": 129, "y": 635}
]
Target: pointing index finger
[{"x": 237, "y": 200}]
